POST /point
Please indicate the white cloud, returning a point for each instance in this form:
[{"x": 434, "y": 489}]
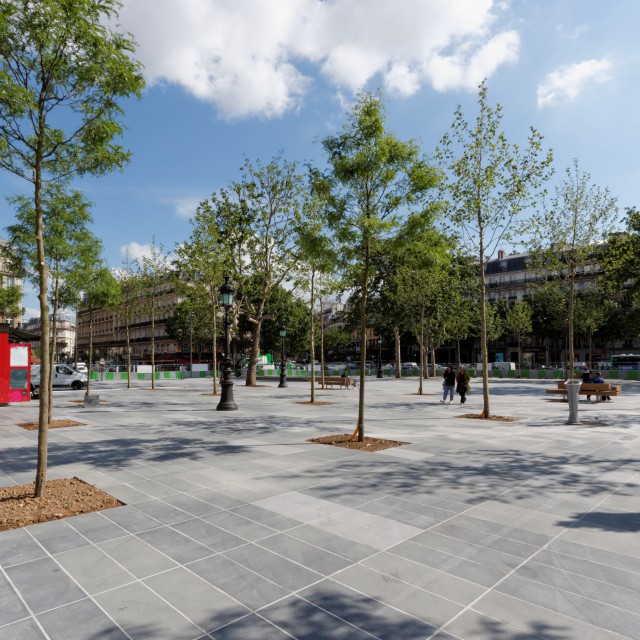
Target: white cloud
[
  {"x": 566, "y": 83},
  {"x": 186, "y": 207},
  {"x": 135, "y": 250},
  {"x": 251, "y": 57}
]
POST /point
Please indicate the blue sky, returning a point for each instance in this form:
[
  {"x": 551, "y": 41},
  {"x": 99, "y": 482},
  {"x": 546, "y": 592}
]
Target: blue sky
[{"x": 233, "y": 78}]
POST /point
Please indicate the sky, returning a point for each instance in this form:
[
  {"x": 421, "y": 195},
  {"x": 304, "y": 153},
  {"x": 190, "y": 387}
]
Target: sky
[{"x": 235, "y": 79}]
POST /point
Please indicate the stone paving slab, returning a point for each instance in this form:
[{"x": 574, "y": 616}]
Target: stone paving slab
[{"x": 238, "y": 528}]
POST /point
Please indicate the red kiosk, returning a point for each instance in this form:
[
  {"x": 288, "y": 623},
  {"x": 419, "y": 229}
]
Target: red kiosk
[{"x": 15, "y": 364}]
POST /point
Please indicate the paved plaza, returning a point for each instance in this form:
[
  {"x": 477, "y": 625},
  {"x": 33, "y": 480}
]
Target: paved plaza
[{"x": 237, "y": 528}]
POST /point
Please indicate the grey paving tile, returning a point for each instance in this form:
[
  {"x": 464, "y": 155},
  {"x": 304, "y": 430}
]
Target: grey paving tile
[
  {"x": 587, "y": 610},
  {"x": 612, "y": 558},
  {"x": 304, "y": 621},
  {"x": 82, "y": 620},
  {"x": 217, "y": 499},
  {"x": 447, "y": 563},
  {"x": 172, "y": 543},
  {"x": 501, "y": 530},
  {"x": 251, "y": 627},
  {"x": 266, "y": 517},
  {"x": 18, "y": 546},
  {"x": 142, "y": 614},
  {"x": 596, "y": 570},
  {"x": 195, "y": 598},
  {"x": 44, "y": 585},
  {"x": 233, "y": 523},
  {"x": 305, "y": 554},
  {"x": 57, "y": 536},
  {"x": 365, "y": 613},
  {"x": 471, "y": 624},
  {"x": 399, "y": 515},
  {"x": 464, "y": 549},
  {"x": 343, "y": 547},
  {"x": 244, "y": 585},
  {"x": 628, "y": 599},
  {"x": 127, "y": 494},
  {"x": 26, "y": 629},
  {"x": 207, "y": 534},
  {"x": 11, "y": 606},
  {"x": 283, "y": 572},
  {"x": 154, "y": 489},
  {"x": 427, "y": 606},
  {"x": 93, "y": 570},
  {"x": 437, "y": 513},
  {"x": 95, "y": 527},
  {"x": 191, "y": 505},
  {"x": 131, "y": 519},
  {"x": 162, "y": 512},
  {"x": 443, "y": 584},
  {"x": 136, "y": 556},
  {"x": 627, "y": 540}
]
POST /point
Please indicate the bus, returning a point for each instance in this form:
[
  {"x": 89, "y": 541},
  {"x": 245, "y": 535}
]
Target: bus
[{"x": 625, "y": 362}]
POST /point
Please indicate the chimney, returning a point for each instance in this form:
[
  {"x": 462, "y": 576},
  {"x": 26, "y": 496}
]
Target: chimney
[{"x": 500, "y": 254}]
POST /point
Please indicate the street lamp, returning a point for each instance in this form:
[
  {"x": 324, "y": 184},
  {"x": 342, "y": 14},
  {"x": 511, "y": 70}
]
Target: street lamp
[
  {"x": 226, "y": 398},
  {"x": 379, "y": 374},
  {"x": 283, "y": 372}
]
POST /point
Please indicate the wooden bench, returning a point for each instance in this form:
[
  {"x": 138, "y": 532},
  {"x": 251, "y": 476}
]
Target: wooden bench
[
  {"x": 597, "y": 389},
  {"x": 336, "y": 381}
]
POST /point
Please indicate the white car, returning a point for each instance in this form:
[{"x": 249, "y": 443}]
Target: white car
[{"x": 410, "y": 365}]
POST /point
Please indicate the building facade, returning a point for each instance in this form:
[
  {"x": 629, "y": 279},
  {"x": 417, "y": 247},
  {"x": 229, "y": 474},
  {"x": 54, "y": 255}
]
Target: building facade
[
  {"x": 11, "y": 285},
  {"x": 65, "y": 335}
]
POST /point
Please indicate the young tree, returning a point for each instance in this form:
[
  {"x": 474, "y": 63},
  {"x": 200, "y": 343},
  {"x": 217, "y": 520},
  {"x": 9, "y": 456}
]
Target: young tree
[
  {"x": 372, "y": 178},
  {"x": 198, "y": 271},
  {"x": 256, "y": 218},
  {"x": 518, "y": 323},
  {"x": 568, "y": 233},
  {"x": 153, "y": 271},
  {"x": 69, "y": 247},
  {"x": 63, "y": 72},
  {"x": 129, "y": 302},
  {"x": 591, "y": 310},
  {"x": 316, "y": 257},
  {"x": 489, "y": 182},
  {"x": 101, "y": 291}
]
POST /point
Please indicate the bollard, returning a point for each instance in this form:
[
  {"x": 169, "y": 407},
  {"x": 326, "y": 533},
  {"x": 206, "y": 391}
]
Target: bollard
[{"x": 573, "y": 387}]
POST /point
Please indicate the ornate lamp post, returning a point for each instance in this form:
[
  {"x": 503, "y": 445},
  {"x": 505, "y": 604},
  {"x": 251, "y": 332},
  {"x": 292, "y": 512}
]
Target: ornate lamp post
[
  {"x": 226, "y": 398},
  {"x": 283, "y": 371},
  {"x": 190, "y": 344},
  {"x": 379, "y": 374}
]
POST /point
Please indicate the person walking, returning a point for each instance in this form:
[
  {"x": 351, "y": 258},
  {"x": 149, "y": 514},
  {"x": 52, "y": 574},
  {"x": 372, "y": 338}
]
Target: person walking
[
  {"x": 449, "y": 384},
  {"x": 462, "y": 383}
]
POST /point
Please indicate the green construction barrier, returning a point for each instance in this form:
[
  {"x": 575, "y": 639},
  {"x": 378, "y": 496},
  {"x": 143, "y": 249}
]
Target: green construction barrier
[
  {"x": 633, "y": 375},
  {"x": 110, "y": 376},
  {"x": 141, "y": 376}
]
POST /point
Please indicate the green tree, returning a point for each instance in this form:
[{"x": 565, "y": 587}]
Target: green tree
[
  {"x": 63, "y": 71},
  {"x": 101, "y": 291},
  {"x": 316, "y": 257},
  {"x": 591, "y": 310},
  {"x": 153, "y": 271},
  {"x": 549, "y": 318},
  {"x": 129, "y": 302},
  {"x": 69, "y": 246},
  {"x": 10, "y": 302},
  {"x": 489, "y": 183},
  {"x": 257, "y": 217},
  {"x": 198, "y": 270},
  {"x": 372, "y": 178},
  {"x": 518, "y": 323},
  {"x": 567, "y": 234}
]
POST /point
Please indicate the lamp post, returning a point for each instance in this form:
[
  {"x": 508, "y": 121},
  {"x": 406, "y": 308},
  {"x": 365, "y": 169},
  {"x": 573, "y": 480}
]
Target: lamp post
[
  {"x": 283, "y": 372},
  {"x": 379, "y": 374},
  {"x": 226, "y": 398}
]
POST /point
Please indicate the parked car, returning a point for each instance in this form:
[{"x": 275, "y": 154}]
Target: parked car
[
  {"x": 81, "y": 367},
  {"x": 63, "y": 376},
  {"x": 410, "y": 365}
]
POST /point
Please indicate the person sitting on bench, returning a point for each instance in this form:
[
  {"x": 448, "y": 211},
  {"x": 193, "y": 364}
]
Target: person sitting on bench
[{"x": 596, "y": 378}]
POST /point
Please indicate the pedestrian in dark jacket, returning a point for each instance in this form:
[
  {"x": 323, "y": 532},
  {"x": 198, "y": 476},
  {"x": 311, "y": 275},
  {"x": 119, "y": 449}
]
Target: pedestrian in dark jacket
[
  {"x": 462, "y": 383},
  {"x": 449, "y": 384}
]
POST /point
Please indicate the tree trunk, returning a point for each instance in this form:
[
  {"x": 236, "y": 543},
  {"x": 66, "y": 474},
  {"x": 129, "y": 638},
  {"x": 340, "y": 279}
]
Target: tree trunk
[
  {"x": 214, "y": 359},
  {"x": 396, "y": 337},
  {"x": 312, "y": 340},
  {"x": 45, "y": 395},
  {"x": 90, "y": 359},
  {"x": 483, "y": 335},
  {"x": 52, "y": 349},
  {"x": 254, "y": 353},
  {"x": 421, "y": 359},
  {"x": 321, "y": 345},
  {"x": 363, "y": 342},
  {"x": 570, "y": 337},
  {"x": 153, "y": 341},
  {"x": 128, "y": 334},
  {"x": 458, "y": 358}
]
